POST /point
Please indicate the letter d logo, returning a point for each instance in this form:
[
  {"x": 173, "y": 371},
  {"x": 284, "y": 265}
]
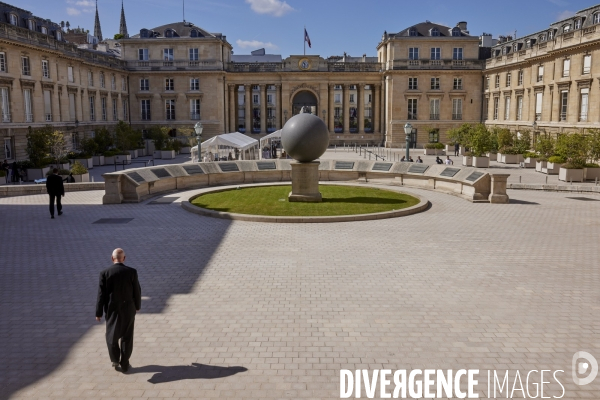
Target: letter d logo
[{"x": 582, "y": 367}]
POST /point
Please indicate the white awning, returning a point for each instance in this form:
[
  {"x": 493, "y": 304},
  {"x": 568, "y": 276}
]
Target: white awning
[
  {"x": 234, "y": 140},
  {"x": 274, "y": 135}
]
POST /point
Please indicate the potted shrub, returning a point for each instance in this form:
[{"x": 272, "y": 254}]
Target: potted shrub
[
  {"x": 574, "y": 149},
  {"x": 37, "y": 151},
  {"x": 104, "y": 141},
  {"x": 553, "y": 165},
  {"x": 570, "y": 172},
  {"x": 123, "y": 157},
  {"x": 109, "y": 157},
  {"x": 530, "y": 159},
  {"x": 80, "y": 172},
  {"x": 460, "y": 135},
  {"x": 592, "y": 171},
  {"x": 57, "y": 147},
  {"x": 509, "y": 155},
  {"x": 467, "y": 159},
  {"x": 168, "y": 151},
  {"x": 160, "y": 137},
  {"x": 3, "y": 178},
  {"x": 544, "y": 146},
  {"x": 480, "y": 142},
  {"x": 433, "y": 149}
]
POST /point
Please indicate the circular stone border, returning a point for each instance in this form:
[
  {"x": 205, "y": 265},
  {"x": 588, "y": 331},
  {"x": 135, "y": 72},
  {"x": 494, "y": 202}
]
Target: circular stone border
[{"x": 188, "y": 206}]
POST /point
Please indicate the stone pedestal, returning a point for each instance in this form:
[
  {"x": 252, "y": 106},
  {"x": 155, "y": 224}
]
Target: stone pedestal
[
  {"x": 498, "y": 191},
  {"x": 305, "y": 182}
]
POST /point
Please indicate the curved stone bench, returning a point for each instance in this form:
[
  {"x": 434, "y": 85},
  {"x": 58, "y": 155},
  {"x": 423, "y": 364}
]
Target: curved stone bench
[{"x": 136, "y": 185}]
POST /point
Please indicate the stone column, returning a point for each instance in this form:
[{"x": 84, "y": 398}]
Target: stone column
[
  {"x": 248, "y": 107},
  {"x": 375, "y": 105},
  {"x": 346, "y": 90},
  {"x": 263, "y": 108},
  {"x": 331, "y": 111},
  {"x": 383, "y": 122},
  {"x": 278, "y": 119},
  {"x": 232, "y": 107},
  {"x": 360, "y": 106},
  {"x": 498, "y": 190}
]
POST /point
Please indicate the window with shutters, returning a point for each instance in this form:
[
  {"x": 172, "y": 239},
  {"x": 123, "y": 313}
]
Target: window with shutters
[
  {"x": 583, "y": 105},
  {"x": 436, "y": 53},
  {"x": 457, "y": 85},
  {"x": 434, "y": 109},
  {"x": 457, "y": 53},
  {"x": 194, "y": 84},
  {"x": 123, "y": 84},
  {"x": 114, "y": 110},
  {"x": 8, "y": 148},
  {"x": 113, "y": 82},
  {"x": 144, "y": 84},
  {"x": 457, "y": 109},
  {"x": 540, "y": 74},
  {"x": 5, "y": 106},
  {"x": 90, "y": 78},
  {"x": 169, "y": 84},
  {"x": 14, "y": 20},
  {"x": 125, "y": 110},
  {"x": 70, "y": 75},
  {"x": 508, "y": 79},
  {"x": 496, "y": 101},
  {"x": 587, "y": 64},
  {"x": 435, "y": 83},
  {"x": 102, "y": 82},
  {"x": 193, "y": 54},
  {"x": 47, "y": 106},
  {"x": 170, "y": 109},
  {"x": 413, "y": 53},
  {"x": 520, "y": 78},
  {"x": 28, "y": 105},
  {"x": 45, "y": 69},
  {"x": 413, "y": 83},
  {"x": 168, "y": 54},
  {"x": 497, "y": 82},
  {"x": 142, "y": 54}
]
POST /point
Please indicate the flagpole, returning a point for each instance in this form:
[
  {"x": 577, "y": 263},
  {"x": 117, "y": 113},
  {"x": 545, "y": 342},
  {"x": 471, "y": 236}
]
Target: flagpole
[{"x": 304, "y": 39}]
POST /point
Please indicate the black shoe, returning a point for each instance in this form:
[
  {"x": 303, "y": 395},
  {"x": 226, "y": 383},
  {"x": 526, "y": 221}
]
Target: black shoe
[
  {"x": 52, "y": 217},
  {"x": 60, "y": 213},
  {"x": 125, "y": 368},
  {"x": 115, "y": 365}
]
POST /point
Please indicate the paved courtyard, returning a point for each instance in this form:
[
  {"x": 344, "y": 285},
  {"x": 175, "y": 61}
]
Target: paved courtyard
[{"x": 241, "y": 310}]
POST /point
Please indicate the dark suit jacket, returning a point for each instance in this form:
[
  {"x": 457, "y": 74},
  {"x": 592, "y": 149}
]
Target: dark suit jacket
[
  {"x": 54, "y": 185},
  {"x": 119, "y": 296}
]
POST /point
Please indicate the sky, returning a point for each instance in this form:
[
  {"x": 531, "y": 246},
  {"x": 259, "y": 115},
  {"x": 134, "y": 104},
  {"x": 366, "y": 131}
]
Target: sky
[{"x": 334, "y": 26}]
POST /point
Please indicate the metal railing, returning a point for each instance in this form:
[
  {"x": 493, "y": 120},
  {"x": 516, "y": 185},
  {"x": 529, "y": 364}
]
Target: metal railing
[
  {"x": 457, "y": 117},
  {"x": 28, "y": 117},
  {"x": 48, "y": 117},
  {"x": 195, "y": 115},
  {"x": 434, "y": 116},
  {"x": 5, "y": 117},
  {"x": 179, "y": 64}
]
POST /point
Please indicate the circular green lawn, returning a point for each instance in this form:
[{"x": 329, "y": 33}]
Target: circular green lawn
[{"x": 337, "y": 200}]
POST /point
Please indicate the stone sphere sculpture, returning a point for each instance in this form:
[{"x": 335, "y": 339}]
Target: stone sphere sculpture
[{"x": 305, "y": 137}]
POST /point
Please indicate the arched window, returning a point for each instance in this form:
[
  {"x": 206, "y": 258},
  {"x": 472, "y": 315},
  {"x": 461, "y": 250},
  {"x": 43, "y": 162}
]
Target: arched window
[
  {"x": 412, "y": 32},
  {"x": 455, "y": 31},
  {"x": 143, "y": 33},
  {"x": 435, "y": 32},
  {"x": 596, "y": 18},
  {"x": 194, "y": 33}
]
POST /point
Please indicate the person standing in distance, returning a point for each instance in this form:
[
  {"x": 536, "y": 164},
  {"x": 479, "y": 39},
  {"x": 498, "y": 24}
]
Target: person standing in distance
[
  {"x": 119, "y": 298},
  {"x": 56, "y": 189}
]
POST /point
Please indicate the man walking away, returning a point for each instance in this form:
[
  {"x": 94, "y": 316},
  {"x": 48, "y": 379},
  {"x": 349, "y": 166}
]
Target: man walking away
[
  {"x": 56, "y": 189},
  {"x": 119, "y": 298}
]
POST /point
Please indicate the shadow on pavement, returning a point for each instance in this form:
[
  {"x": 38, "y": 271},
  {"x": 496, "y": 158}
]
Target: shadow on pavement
[{"x": 175, "y": 373}]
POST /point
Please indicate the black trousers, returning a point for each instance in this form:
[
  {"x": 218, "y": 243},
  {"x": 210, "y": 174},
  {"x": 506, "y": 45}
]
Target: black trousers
[
  {"x": 123, "y": 352},
  {"x": 58, "y": 204}
]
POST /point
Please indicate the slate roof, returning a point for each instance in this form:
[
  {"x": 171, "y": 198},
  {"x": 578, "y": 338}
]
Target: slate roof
[
  {"x": 183, "y": 29},
  {"x": 424, "y": 29}
]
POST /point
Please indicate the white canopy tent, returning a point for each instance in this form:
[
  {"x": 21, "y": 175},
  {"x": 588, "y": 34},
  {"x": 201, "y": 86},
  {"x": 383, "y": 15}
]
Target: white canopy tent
[
  {"x": 222, "y": 145},
  {"x": 265, "y": 141}
]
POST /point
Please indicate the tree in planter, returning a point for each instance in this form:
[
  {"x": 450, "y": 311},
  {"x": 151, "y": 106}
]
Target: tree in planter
[
  {"x": 594, "y": 145},
  {"x": 78, "y": 168},
  {"x": 574, "y": 148},
  {"x": 544, "y": 146},
  {"x": 57, "y": 146},
  {"x": 505, "y": 140},
  {"x": 89, "y": 147},
  {"x": 460, "y": 135},
  {"x": 104, "y": 140},
  {"x": 122, "y": 133},
  {"x": 522, "y": 142},
  {"x": 37, "y": 145},
  {"x": 160, "y": 137},
  {"x": 480, "y": 140}
]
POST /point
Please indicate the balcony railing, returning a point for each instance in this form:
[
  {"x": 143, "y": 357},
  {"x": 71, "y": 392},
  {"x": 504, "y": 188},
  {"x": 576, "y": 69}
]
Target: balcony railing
[
  {"x": 195, "y": 115},
  {"x": 145, "y": 116},
  {"x": 353, "y": 67},
  {"x": 583, "y": 117},
  {"x": 434, "y": 116},
  {"x": 457, "y": 117},
  {"x": 28, "y": 117},
  {"x": 538, "y": 116},
  {"x": 563, "y": 116},
  {"x": 540, "y": 78},
  {"x": 48, "y": 117},
  {"x": 175, "y": 64},
  {"x": 437, "y": 64},
  {"x": 5, "y": 117}
]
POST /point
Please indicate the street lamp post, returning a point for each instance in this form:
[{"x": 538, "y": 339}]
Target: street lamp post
[
  {"x": 198, "y": 128},
  {"x": 534, "y": 128},
  {"x": 407, "y": 131}
]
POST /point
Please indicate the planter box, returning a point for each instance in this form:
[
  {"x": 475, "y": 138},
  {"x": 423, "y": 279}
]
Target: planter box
[
  {"x": 37, "y": 173},
  {"x": 591, "y": 174},
  {"x": 185, "y": 150},
  {"x": 109, "y": 160},
  {"x": 3, "y": 180},
  {"x": 539, "y": 165},
  {"x": 570, "y": 175},
  {"x": 157, "y": 154},
  {"x": 493, "y": 156},
  {"x": 86, "y": 162},
  {"x": 530, "y": 162},
  {"x": 467, "y": 161},
  {"x": 481, "y": 162},
  {"x": 167, "y": 154},
  {"x": 123, "y": 157},
  {"x": 141, "y": 152},
  {"x": 82, "y": 177},
  {"x": 98, "y": 160},
  {"x": 510, "y": 158},
  {"x": 551, "y": 168},
  {"x": 498, "y": 157},
  {"x": 60, "y": 166},
  {"x": 433, "y": 152},
  {"x": 133, "y": 154}
]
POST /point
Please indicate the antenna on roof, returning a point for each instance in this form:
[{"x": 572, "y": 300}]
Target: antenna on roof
[{"x": 183, "y": 10}]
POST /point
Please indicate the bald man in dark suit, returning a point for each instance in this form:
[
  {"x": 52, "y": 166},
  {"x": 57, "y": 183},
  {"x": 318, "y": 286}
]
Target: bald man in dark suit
[{"x": 119, "y": 298}]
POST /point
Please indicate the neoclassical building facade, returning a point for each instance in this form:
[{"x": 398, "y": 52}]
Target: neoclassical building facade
[{"x": 433, "y": 76}]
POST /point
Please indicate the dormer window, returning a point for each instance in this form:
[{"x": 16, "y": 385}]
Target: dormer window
[
  {"x": 143, "y": 33},
  {"x": 13, "y": 19},
  {"x": 455, "y": 31},
  {"x": 31, "y": 24},
  {"x": 412, "y": 32},
  {"x": 596, "y": 18},
  {"x": 566, "y": 28},
  {"x": 578, "y": 24},
  {"x": 515, "y": 47},
  {"x": 44, "y": 30},
  {"x": 550, "y": 35},
  {"x": 169, "y": 33},
  {"x": 435, "y": 32},
  {"x": 194, "y": 33},
  {"x": 542, "y": 38},
  {"x": 504, "y": 50},
  {"x": 528, "y": 43}
]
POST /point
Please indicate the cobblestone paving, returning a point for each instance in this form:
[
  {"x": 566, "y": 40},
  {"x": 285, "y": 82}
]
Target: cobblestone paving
[{"x": 246, "y": 310}]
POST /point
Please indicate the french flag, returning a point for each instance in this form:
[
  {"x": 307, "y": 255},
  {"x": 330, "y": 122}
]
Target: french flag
[{"x": 306, "y": 38}]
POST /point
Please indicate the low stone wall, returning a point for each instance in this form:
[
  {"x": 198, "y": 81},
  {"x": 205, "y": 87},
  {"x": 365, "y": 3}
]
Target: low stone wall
[
  {"x": 25, "y": 190},
  {"x": 555, "y": 188},
  {"x": 136, "y": 185}
]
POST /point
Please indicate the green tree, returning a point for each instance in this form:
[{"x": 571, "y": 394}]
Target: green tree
[
  {"x": 37, "y": 145},
  {"x": 160, "y": 136},
  {"x": 480, "y": 140},
  {"x": 103, "y": 139},
  {"x": 544, "y": 146},
  {"x": 594, "y": 145},
  {"x": 574, "y": 147},
  {"x": 89, "y": 147},
  {"x": 57, "y": 145},
  {"x": 522, "y": 142},
  {"x": 118, "y": 36}
]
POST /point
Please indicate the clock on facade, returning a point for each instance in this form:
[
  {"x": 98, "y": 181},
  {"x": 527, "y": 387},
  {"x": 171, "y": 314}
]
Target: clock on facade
[{"x": 304, "y": 64}]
